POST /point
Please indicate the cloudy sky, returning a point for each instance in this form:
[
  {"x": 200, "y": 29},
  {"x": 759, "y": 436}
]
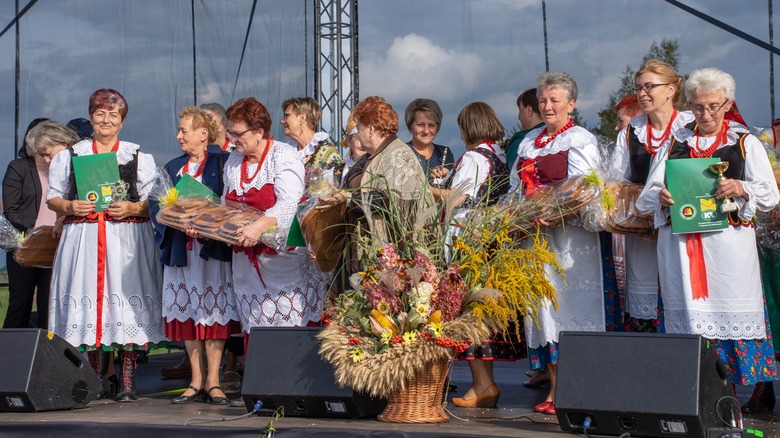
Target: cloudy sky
[{"x": 453, "y": 51}]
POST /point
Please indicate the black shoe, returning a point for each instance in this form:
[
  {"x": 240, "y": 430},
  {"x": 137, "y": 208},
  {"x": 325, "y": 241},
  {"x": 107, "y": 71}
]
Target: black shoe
[
  {"x": 237, "y": 403},
  {"x": 762, "y": 401},
  {"x": 186, "y": 399},
  {"x": 216, "y": 400},
  {"x": 127, "y": 385}
]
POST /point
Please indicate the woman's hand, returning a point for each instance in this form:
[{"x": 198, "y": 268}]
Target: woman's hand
[
  {"x": 666, "y": 198},
  {"x": 80, "y": 208},
  {"x": 249, "y": 235},
  {"x": 56, "y": 230},
  {"x": 336, "y": 198},
  {"x": 439, "y": 172},
  {"x": 730, "y": 188},
  {"x": 123, "y": 209},
  {"x": 541, "y": 223},
  {"x": 192, "y": 232}
]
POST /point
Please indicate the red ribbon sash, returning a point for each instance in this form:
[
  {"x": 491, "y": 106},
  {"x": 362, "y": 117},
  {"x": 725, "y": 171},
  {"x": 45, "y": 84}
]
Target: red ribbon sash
[{"x": 696, "y": 265}]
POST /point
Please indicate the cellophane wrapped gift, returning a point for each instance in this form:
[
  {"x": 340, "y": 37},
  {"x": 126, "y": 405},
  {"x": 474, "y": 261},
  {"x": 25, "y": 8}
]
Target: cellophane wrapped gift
[
  {"x": 210, "y": 219},
  {"x": 38, "y": 248},
  {"x": 622, "y": 216},
  {"x": 323, "y": 228},
  {"x": 768, "y": 231},
  {"x": 576, "y": 200},
  {"x": 10, "y": 237}
]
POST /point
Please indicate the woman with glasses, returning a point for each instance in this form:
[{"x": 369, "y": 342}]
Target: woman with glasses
[
  {"x": 658, "y": 89},
  {"x": 711, "y": 282},
  {"x": 272, "y": 288},
  {"x": 554, "y": 152}
]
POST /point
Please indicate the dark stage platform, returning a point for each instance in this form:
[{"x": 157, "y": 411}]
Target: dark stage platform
[{"x": 154, "y": 416}]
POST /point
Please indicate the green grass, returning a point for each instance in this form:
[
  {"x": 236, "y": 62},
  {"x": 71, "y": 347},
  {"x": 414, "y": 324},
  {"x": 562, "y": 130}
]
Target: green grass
[{"x": 3, "y": 304}]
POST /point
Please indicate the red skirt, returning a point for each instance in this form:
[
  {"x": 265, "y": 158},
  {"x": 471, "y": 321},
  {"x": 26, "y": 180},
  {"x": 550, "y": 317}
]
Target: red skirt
[{"x": 189, "y": 331}]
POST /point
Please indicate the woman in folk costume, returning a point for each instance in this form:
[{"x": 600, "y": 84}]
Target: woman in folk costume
[
  {"x": 105, "y": 290},
  {"x": 554, "y": 152},
  {"x": 199, "y": 306},
  {"x": 481, "y": 176},
  {"x": 711, "y": 282},
  {"x": 272, "y": 288},
  {"x": 658, "y": 88}
]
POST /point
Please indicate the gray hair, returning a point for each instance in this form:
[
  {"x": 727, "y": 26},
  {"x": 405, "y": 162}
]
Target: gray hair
[
  {"x": 557, "y": 79},
  {"x": 429, "y": 107},
  {"x": 710, "y": 80},
  {"x": 217, "y": 109},
  {"x": 49, "y": 133}
]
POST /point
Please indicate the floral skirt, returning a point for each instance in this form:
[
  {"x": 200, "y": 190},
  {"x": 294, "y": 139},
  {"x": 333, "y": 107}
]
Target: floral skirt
[
  {"x": 640, "y": 325},
  {"x": 748, "y": 361},
  {"x": 541, "y": 356}
]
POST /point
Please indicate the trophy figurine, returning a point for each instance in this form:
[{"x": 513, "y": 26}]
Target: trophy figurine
[{"x": 718, "y": 168}]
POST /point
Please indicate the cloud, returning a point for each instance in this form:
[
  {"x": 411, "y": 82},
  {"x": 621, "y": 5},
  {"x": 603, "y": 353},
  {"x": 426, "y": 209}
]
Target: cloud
[{"x": 414, "y": 66}]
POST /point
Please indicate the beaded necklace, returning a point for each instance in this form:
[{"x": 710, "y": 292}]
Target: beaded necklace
[
  {"x": 665, "y": 136},
  {"x": 186, "y": 168},
  {"x": 245, "y": 178},
  {"x": 540, "y": 144},
  {"x": 719, "y": 140}
]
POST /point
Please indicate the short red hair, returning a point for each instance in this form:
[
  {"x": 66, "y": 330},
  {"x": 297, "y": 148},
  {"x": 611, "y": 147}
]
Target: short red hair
[
  {"x": 106, "y": 99},
  {"x": 375, "y": 111},
  {"x": 252, "y": 113},
  {"x": 630, "y": 104}
]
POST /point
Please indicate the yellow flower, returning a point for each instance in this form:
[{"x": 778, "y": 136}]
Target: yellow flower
[
  {"x": 437, "y": 328},
  {"x": 410, "y": 337},
  {"x": 383, "y": 307},
  {"x": 169, "y": 197},
  {"x": 357, "y": 355},
  {"x": 386, "y": 337},
  {"x": 423, "y": 310}
]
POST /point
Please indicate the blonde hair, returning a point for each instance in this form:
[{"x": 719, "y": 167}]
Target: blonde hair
[
  {"x": 666, "y": 73},
  {"x": 201, "y": 119}
]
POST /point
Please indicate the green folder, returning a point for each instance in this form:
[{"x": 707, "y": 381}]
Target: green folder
[
  {"x": 190, "y": 187},
  {"x": 97, "y": 179},
  {"x": 692, "y": 186},
  {"x": 295, "y": 235}
]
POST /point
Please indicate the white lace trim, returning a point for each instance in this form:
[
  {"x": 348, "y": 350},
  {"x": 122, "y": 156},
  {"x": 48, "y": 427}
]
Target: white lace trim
[
  {"x": 573, "y": 137},
  {"x": 642, "y": 306},
  {"x": 639, "y": 123},
  {"x": 304, "y": 153},
  {"x": 722, "y": 325},
  {"x": 280, "y": 154},
  {"x": 123, "y": 155}
]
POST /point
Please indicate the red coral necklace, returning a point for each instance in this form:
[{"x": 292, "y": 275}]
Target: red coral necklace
[
  {"x": 113, "y": 148},
  {"x": 665, "y": 136},
  {"x": 719, "y": 140},
  {"x": 540, "y": 144},
  {"x": 186, "y": 168},
  {"x": 245, "y": 178}
]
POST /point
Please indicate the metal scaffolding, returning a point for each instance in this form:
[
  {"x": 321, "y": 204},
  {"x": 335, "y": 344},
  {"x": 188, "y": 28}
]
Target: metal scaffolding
[{"x": 336, "y": 69}]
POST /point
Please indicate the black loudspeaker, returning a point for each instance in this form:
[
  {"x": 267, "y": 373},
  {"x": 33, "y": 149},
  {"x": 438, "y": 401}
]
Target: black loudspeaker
[
  {"x": 654, "y": 385},
  {"x": 283, "y": 368},
  {"x": 42, "y": 372}
]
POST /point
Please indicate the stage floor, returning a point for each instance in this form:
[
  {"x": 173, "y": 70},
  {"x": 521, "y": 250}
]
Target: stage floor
[{"x": 153, "y": 414}]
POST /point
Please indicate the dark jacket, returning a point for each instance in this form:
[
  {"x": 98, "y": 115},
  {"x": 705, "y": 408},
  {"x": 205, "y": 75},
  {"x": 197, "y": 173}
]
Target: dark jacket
[
  {"x": 22, "y": 193},
  {"x": 173, "y": 243}
]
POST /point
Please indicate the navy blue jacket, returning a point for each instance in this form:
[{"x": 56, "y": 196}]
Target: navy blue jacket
[{"x": 172, "y": 242}]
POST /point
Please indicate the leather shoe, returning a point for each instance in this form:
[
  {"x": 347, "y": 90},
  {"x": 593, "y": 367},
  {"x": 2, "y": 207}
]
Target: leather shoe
[
  {"x": 550, "y": 409},
  {"x": 216, "y": 400},
  {"x": 488, "y": 398},
  {"x": 537, "y": 380},
  {"x": 543, "y": 406},
  {"x": 762, "y": 401},
  {"x": 185, "y": 399}
]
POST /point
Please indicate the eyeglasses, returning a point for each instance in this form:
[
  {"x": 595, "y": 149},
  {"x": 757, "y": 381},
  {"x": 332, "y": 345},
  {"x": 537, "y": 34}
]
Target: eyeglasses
[
  {"x": 235, "y": 135},
  {"x": 711, "y": 108},
  {"x": 647, "y": 88}
]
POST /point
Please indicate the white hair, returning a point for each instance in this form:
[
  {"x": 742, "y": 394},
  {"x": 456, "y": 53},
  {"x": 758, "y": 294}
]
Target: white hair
[
  {"x": 557, "y": 79},
  {"x": 710, "y": 80}
]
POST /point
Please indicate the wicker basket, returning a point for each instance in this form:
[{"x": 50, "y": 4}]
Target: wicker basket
[{"x": 421, "y": 402}]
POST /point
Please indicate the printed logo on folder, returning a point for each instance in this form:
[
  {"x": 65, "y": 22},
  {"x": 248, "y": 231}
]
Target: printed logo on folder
[{"x": 708, "y": 204}]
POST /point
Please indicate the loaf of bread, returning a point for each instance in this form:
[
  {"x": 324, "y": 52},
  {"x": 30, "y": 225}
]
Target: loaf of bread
[{"x": 38, "y": 249}]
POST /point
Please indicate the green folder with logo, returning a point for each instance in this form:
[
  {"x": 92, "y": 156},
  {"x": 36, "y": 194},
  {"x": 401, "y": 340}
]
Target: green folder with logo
[
  {"x": 190, "y": 187},
  {"x": 97, "y": 179},
  {"x": 693, "y": 185}
]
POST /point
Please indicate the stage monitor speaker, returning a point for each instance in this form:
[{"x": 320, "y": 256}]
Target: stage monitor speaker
[
  {"x": 42, "y": 372},
  {"x": 654, "y": 385},
  {"x": 283, "y": 368}
]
